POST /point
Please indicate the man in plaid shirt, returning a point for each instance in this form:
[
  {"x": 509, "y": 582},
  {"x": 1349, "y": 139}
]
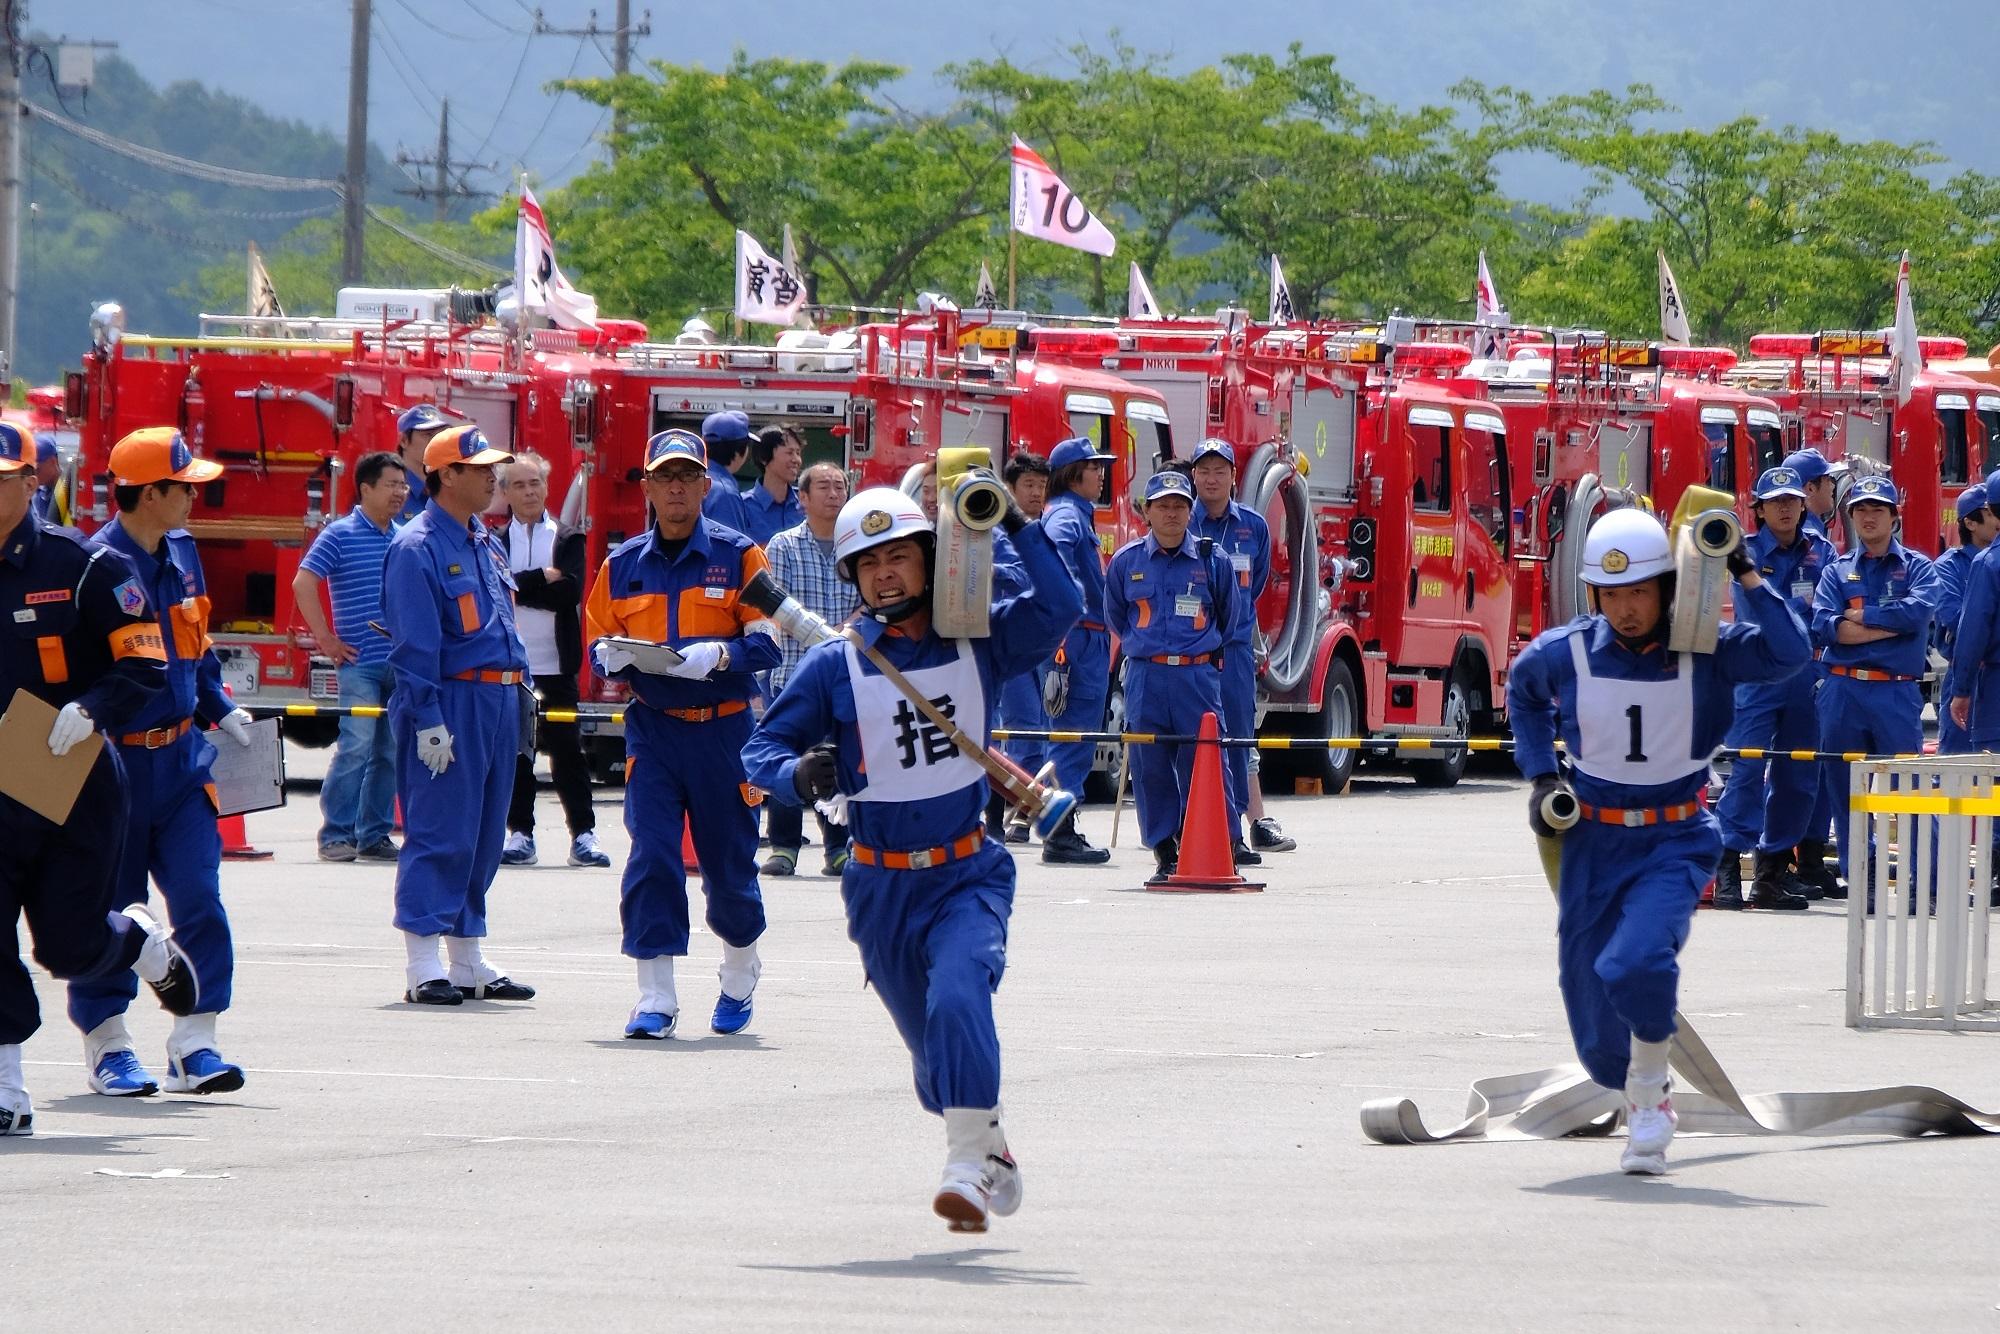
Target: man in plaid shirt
[{"x": 801, "y": 560}]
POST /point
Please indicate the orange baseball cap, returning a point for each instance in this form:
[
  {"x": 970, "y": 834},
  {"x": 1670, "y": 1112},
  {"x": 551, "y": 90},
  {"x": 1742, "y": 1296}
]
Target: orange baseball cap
[
  {"x": 461, "y": 444},
  {"x": 19, "y": 451},
  {"x": 158, "y": 454}
]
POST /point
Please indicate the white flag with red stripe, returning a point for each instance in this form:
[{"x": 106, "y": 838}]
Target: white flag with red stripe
[
  {"x": 538, "y": 284},
  {"x": 1048, "y": 210},
  {"x": 1487, "y": 310},
  {"x": 1906, "y": 355}
]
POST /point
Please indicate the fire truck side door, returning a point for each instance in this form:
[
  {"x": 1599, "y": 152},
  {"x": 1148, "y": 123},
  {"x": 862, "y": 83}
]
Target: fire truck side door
[
  {"x": 1432, "y": 595},
  {"x": 1486, "y": 526}
]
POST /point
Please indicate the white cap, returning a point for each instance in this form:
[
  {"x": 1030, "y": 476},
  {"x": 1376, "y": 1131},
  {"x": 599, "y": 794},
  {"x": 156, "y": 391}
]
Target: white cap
[{"x": 1626, "y": 546}]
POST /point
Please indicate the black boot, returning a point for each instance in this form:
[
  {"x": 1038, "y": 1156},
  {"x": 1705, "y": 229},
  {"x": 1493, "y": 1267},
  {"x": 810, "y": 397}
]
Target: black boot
[
  {"x": 1768, "y": 889},
  {"x": 996, "y": 816},
  {"x": 1729, "y": 881},
  {"x": 1814, "y": 870},
  {"x": 1066, "y": 847},
  {"x": 1167, "y": 856},
  {"x": 1788, "y": 876},
  {"x": 1240, "y": 854}
]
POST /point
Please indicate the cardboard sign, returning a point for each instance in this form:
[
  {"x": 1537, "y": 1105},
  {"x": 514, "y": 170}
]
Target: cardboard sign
[{"x": 46, "y": 784}]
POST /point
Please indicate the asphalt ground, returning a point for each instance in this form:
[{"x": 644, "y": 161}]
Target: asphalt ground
[{"x": 1183, "y": 1075}]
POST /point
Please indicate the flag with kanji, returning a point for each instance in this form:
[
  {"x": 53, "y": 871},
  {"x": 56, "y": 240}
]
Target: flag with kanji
[
  {"x": 985, "y": 298},
  {"x": 1048, "y": 210},
  {"x": 766, "y": 291},
  {"x": 263, "y": 296},
  {"x": 539, "y": 284},
  {"x": 1673, "y": 311},
  {"x": 1281, "y": 295}
]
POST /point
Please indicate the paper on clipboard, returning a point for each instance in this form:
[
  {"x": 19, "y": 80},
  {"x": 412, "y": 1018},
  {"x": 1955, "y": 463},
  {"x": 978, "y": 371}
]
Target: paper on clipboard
[
  {"x": 252, "y": 777},
  {"x": 647, "y": 656},
  {"x": 46, "y": 784}
]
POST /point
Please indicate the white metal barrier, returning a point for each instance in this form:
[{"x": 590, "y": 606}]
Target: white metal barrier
[{"x": 1920, "y": 859}]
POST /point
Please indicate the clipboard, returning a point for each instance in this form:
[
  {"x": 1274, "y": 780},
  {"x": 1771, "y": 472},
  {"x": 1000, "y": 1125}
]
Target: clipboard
[
  {"x": 252, "y": 777},
  {"x": 646, "y": 655},
  {"x": 46, "y": 784}
]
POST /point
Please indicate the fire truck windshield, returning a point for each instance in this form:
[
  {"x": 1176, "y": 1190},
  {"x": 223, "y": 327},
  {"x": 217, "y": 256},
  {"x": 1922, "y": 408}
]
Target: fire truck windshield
[
  {"x": 1954, "y": 445},
  {"x": 1989, "y": 426}
]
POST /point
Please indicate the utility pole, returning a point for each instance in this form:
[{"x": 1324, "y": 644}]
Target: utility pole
[
  {"x": 10, "y": 184},
  {"x": 355, "y": 179},
  {"x": 443, "y": 191},
  {"x": 621, "y": 35}
]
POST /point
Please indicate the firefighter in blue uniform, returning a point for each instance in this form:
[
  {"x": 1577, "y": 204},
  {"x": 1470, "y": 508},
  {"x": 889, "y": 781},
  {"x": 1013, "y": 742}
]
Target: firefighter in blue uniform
[
  {"x": 1169, "y": 597},
  {"x": 1639, "y": 724},
  {"x": 679, "y": 584},
  {"x": 1972, "y": 696},
  {"x": 1078, "y": 681},
  {"x": 457, "y": 715},
  {"x": 1872, "y": 622},
  {"x": 416, "y": 427},
  {"x": 83, "y": 643},
  {"x": 725, "y": 439},
  {"x": 1816, "y": 480},
  {"x": 1766, "y": 804},
  {"x": 170, "y": 828},
  {"x": 1977, "y": 528},
  {"x": 928, "y": 893}
]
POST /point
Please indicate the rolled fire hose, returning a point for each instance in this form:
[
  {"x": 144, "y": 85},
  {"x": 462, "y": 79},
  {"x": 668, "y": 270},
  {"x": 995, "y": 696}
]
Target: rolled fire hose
[
  {"x": 1293, "y": 649},
  {"x": 1704, "y": 532},
  {"x": 1566, "y": 601},
  {"x": 1563, "y": 1100},
  {"x": 968, "y": 510}
]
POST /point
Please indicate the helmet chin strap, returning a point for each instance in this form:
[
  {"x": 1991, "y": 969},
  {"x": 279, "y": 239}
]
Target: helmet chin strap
[{"x": 895, "y": 613}]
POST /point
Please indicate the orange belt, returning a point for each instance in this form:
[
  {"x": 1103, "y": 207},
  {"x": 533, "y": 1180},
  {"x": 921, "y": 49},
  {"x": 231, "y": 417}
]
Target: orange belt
[
  {"x": 159, "y": 737},
  {"x": 488, "y": 676},
  {"x": 722, "y": 710},
  {"x": 1098, "y": 626},
  {"x": 963, "y": 846},
  {"x": 1868, "y": 674},
  {"x": 1183, "y": 659},
  {"x": 1643, "y": 815}
]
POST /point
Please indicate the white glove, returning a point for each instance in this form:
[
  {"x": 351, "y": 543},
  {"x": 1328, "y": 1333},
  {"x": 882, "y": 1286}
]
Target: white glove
[
  {"x": 73, "y": 724},
  {"x": 434, "y": 749},
  {"x": 698, "y": 661},
  {"x": 834, "y": 808},
  {"x": 237, "y": 724},
  {"x": 611, "y": 658}
]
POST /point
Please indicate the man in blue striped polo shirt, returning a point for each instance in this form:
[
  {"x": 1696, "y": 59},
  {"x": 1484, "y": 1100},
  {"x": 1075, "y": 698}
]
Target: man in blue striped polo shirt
[{"x": 358, "y": 799}]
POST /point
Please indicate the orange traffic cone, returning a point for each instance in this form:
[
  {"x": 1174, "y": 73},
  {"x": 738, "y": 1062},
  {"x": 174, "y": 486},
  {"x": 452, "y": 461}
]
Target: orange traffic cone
[
  {"x": 236, "y": 841},
  {"x": 1205, "y": 864},
  {"x": 688, "y": 859}
]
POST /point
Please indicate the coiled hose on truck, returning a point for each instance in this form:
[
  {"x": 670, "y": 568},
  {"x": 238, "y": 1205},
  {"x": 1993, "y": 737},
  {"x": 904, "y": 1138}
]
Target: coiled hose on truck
[{"x": 1293, "y": 647}]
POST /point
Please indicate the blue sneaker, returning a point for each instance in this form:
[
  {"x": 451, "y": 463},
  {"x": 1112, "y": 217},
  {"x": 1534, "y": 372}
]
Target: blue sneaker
[
  {"x": 202, "y": 1071},
  {"x": 119, "y": 1075},
  {"x": 650, "y": 1024},
  {"x": 731, "y": 1015},
  {"x": 519, "y": 850}
]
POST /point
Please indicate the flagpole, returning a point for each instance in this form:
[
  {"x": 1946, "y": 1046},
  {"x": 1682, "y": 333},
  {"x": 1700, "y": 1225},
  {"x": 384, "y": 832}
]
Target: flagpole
[{"x": 1013, "y": 239}]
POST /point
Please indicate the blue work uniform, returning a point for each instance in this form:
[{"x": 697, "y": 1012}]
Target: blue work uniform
[
  {"x": 1975, "y": 662},
  {"x": 724, "y": 501},
  {"x": 765, "y": 516},
  {"x": 74, "y": 628},
  {"x": 1815, "y": 525},
  {"x": 1021, "y": 707},
  {"x": 1244, "y": 539},
  {"x": 1768, "y": 804},
  {"x": 1639, "y": 725},
  {"x": 1172, "y": 610},
  {"x": 1869, "y": 700},
  {"x": 684, "y": 738},
  {"x": 448, "y": 602},
  {"x": 170, "y": 827},
  {"x": 1070, "y": 521},
  {"x": 1954, "y": 568},
  {"x": 928, "y": 894}
]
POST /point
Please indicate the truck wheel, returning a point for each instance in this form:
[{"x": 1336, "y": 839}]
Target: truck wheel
[
  {"x": 1339, "y": 716},
  {"x": 1447, "y": 771},
  {"x": 1102, "y": 785}
]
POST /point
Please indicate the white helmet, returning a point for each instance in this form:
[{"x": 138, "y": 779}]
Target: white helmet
[
  {"x": 879, "y": 514},
  {"x": 1626, "y": 546}
]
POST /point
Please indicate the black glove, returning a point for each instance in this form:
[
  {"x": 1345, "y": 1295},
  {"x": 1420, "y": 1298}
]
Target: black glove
[
  {"x": 1739, "y": 562},
  {"x": 1544, "y": 785},
  {"x": 1013, "y": 521},
  {"x": 813, "y": 777}
]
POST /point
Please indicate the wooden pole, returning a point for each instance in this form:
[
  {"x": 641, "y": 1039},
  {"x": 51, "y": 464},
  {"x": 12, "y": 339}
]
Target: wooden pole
[{"x": 1013, "y": 240}]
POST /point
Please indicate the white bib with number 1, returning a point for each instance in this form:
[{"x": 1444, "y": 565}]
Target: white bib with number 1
[{"x": 1639, "y": 733}]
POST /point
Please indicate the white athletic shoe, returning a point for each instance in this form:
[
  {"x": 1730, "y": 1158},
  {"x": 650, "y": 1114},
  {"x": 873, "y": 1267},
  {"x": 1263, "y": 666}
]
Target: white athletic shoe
[
  {"x": 17, "y": 1112},
  {"x": 980, "y": 1175},
  {"x": 1648, "y": 1133},
  {"x": 963, "y": 1197}
]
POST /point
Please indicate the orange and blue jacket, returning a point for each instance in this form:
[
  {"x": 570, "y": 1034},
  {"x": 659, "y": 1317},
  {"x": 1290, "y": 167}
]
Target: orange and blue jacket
[
  {"x": 640, "y": 594},
  {"x": 177, "y": 592}
]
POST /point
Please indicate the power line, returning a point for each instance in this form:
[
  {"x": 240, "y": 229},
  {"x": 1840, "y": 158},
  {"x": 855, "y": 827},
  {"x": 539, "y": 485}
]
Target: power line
[
  {"x": 589, "y": 142},
  {"x": 526, "y": 44},
  {"x": 554, "y": 102},
  {"x": 519, "y": 32},
  {"x": 148, "y": 191},
  {"x": 443, "y": 32},
  {"x": 399, "y": 60},
  {"x": 433, "y": 248},
  {"x": 154, "y": 157},
  {"x": 83, "y": 196}
]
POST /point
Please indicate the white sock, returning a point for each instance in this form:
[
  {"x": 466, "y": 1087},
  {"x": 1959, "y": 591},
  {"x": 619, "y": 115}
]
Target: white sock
[
  {"x": 154, "y": 957},
  {"x": 111, "y": 1035},
  {"x": 191, "y": 1034},
  {"x": 739, "y": 971},
  {"x": 468, "y": 965},
  {"x": 10, "y": 1067},
  {"x": 971, "y": 1133},
  {"x": 423, "y": 965},
  {"x": 656, "y": 986},
  {"x": 1646, "y": 1076}
]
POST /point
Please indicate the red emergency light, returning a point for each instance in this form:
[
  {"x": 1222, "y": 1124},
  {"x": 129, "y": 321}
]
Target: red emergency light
[
  {"x": 1941, "y": 348},
  {"x": 1432, "y": 356},
  {"x": 1073, "y": 342},
  {"x": 1793, "y": 347},
  {"x": 1696, "y": 360}
]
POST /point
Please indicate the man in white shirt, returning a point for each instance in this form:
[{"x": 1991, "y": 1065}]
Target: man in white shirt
[{"x": 547, "y": 561}]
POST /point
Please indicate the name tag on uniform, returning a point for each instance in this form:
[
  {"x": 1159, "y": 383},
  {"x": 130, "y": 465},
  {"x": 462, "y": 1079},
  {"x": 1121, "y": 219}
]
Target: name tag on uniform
[
  {"x": 1240, "y": 561},
  {"x": 24, "y": 615},
  {"x": 715, "y": 594},
  {"x": 1803, "y": 589},
  {"x": 1187, "y": 606}
]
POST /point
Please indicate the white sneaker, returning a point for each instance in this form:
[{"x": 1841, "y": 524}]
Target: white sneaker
[
  {"x": 1648, "y": 1133},
  {"x": 17, "y": 1112},
  {"x": 980, "y": 1175},
  {"x": 963, "y": 1197}
]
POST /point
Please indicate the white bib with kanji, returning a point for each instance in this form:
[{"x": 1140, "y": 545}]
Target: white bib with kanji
[
  {"x": 905, "y": 756},
  {"x": 1639, "y": 733}
]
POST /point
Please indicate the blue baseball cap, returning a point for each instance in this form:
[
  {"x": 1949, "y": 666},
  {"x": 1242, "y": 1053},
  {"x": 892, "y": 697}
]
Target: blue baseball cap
[
  {"x": 1809, "y": 464},
  {"x": 1780, "y": 482},
  {"x": 1971, "y": 500},
  {"x": 1874, "y": 491},
  {"x": 1171, "y": 482},
  {"x": 422, "y": 417},
  {"x": 721, "y": 427},
  {"x": 1993, "y": 483},
  {"x": 668, "y": 446},
  {"x": 18, "y": 450},
  {"x": 1076, "y": 449},
  {"x": 1214, "y": 445}
]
